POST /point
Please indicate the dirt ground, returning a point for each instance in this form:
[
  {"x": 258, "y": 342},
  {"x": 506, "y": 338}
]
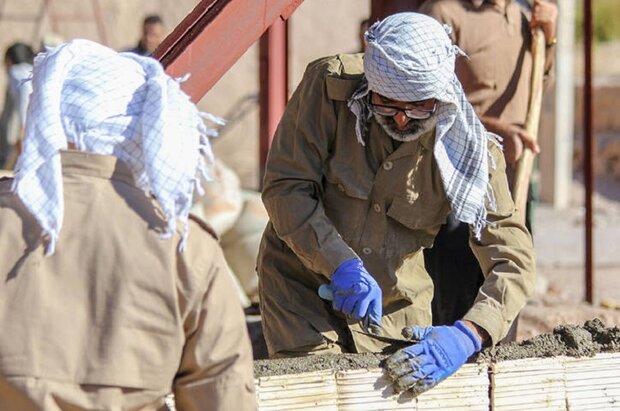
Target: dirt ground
[{"x": 559, "y": 242}]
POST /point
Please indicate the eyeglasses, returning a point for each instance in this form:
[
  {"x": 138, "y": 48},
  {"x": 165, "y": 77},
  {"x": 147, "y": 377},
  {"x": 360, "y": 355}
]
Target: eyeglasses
[{"x": 413, "y": 113}]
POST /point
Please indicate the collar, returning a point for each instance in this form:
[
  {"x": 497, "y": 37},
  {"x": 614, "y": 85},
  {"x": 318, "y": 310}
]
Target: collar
[
  {"x": 95, "y": 165},
  {"x": 428, "y": 139},
  {"x": 410, "y": 148}
]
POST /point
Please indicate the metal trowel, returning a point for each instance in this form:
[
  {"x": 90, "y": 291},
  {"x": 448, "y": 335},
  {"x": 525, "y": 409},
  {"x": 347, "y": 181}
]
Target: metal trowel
[{"x": 368, "y": 327}]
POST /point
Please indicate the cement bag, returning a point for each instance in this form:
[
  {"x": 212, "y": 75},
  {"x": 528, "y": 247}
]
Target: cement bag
[{"x": 241, "y": 242}]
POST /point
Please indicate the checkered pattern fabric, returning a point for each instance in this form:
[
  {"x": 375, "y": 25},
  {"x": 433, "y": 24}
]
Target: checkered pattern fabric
[
  {"x": 117, "y": 104},
  {"x": 410, "y": 57}
]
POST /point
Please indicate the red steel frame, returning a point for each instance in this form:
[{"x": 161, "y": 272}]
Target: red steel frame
[
  {"x": 589, "y": 145},
  {"x": 273, "y": 84},
  {"x": 213, "y": 37}
]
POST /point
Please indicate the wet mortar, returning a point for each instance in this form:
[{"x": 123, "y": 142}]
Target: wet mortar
[
  {"x": 336, "y": 362},
  {"x": 565, "y": 340}
]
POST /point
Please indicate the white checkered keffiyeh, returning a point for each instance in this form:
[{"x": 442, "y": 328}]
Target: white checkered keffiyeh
[
  {"x": 117, "y": 104},
  {"x": 410, "y": 57}
]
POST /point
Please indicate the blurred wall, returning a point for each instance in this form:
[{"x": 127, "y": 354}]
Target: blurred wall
[{"x": 317, "y": 28}]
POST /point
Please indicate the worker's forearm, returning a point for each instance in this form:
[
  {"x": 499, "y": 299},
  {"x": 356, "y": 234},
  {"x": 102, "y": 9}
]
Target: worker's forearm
[
  {"x": 506, "y": 256},
  {"x": 300, "y": 221}
]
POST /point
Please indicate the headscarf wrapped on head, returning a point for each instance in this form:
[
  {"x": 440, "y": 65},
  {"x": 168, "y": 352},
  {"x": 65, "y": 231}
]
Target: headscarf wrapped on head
[
  {"x": 410, "y": 57},
  {"x": 117, "y": 104}
]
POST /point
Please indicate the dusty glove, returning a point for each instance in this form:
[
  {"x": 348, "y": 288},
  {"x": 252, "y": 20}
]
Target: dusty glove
[
  {"x": 356, "y": 293},
  {"x": 438, "y": 354}
]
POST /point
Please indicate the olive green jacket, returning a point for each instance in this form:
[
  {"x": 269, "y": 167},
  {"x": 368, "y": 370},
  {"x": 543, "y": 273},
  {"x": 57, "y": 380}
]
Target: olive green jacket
[{"x": 330, "y": 199}]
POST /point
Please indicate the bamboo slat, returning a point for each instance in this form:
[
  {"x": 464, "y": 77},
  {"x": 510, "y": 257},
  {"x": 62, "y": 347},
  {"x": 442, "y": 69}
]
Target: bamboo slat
[
  {"x": 466, "y": 390},
  {"x": 369, "y": 390},
  {"x": 559, "y": 383},
  {"x": 307, "y": 391},
  {"x": 593, "y": 383},
  {"x": 528, "y": 384}
]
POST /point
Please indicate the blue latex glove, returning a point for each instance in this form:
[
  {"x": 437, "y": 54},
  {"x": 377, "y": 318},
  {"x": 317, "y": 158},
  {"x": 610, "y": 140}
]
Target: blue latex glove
[
  {"x": 439, "y": 353},
  {"x": 356, "y": 293}
]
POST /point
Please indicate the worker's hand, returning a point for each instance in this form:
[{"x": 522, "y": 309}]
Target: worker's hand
[
  {"x": 515, "y": 139},
  {"x": 545, "y": 16},
  {"x": 439, "y": 353},
  {"x": 513, "y": 149},
  {"x": 356, "y": 293}
]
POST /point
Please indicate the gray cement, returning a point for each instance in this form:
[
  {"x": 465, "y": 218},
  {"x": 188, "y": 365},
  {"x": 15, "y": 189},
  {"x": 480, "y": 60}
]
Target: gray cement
[
  {"x": 565, "y": 340},
  {"x": 297, "y": 365}
]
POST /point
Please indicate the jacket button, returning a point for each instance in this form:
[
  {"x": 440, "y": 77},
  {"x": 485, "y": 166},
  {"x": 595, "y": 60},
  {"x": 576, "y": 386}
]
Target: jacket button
[
  {"x": 377, "y": 207},
  {"x": 387, "y": 165},
  {"x": 366, "y": 250}
]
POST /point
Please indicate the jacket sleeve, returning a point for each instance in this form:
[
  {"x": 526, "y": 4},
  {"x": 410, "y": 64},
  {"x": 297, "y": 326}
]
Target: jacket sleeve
[
  {"x": 506, "y": 256},
  {"x": 216, "y": 371},
  {"x": 292, "y": 191}
]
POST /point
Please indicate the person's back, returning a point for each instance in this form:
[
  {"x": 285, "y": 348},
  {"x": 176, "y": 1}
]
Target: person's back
[{"x": 116, "y": 315}]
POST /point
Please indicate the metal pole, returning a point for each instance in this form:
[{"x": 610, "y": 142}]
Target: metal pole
[
  {"x": 214, "y": 35},
  {"x": 588, "y": 143},
  {"x": 273, "y": 56}
]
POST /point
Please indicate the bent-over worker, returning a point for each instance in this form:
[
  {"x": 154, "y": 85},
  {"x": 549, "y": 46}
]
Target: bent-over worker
[{"x": 371, "y": 155}]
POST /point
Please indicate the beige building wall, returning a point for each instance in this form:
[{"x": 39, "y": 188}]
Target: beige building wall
[{"x": 318, "y": 28}]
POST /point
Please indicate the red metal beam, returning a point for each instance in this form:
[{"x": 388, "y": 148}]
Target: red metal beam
[
  {"x": 588, "y": 149},
  {"x": 213, "y": 37},
  {"x": 273, "y": 84}
]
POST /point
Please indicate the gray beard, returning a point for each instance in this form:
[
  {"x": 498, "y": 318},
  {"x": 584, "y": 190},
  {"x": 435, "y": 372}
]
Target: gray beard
[{"x": 415, "y": 128}]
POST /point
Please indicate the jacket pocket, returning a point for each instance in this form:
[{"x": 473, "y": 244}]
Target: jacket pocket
[
  {"x": 417, "y": 223},
  {"x": 419, "y": 215},
  {"x": 346, "y": 180}
]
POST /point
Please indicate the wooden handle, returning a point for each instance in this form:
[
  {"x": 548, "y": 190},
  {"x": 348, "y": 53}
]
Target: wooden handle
[{"x": 524, "y": 167}]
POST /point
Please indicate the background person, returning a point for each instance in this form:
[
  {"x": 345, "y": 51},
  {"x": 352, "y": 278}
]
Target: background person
[{"x": 153, "y": 32}]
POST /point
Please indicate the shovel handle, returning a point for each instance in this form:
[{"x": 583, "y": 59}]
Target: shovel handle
[{"x": 524, "y": 166}]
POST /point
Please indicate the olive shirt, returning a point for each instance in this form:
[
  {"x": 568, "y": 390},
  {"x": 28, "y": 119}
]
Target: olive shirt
[
  {"x": 116, "y": 318},
  {"x": 331, "y": 199}
]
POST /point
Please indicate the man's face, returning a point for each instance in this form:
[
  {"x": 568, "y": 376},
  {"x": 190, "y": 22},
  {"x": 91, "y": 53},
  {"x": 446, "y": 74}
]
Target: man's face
[
  {"x": 403, "y": 121},
  {"x": 152, "y": 35}
]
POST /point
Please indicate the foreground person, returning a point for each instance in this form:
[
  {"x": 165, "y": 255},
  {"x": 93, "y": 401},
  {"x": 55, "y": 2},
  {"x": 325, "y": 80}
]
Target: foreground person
[
  {"x": 111, "y": 298},
  {"x": 370, "y": 157}
]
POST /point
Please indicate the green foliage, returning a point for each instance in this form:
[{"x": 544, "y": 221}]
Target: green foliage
[{"x": 605, "y": 14}]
